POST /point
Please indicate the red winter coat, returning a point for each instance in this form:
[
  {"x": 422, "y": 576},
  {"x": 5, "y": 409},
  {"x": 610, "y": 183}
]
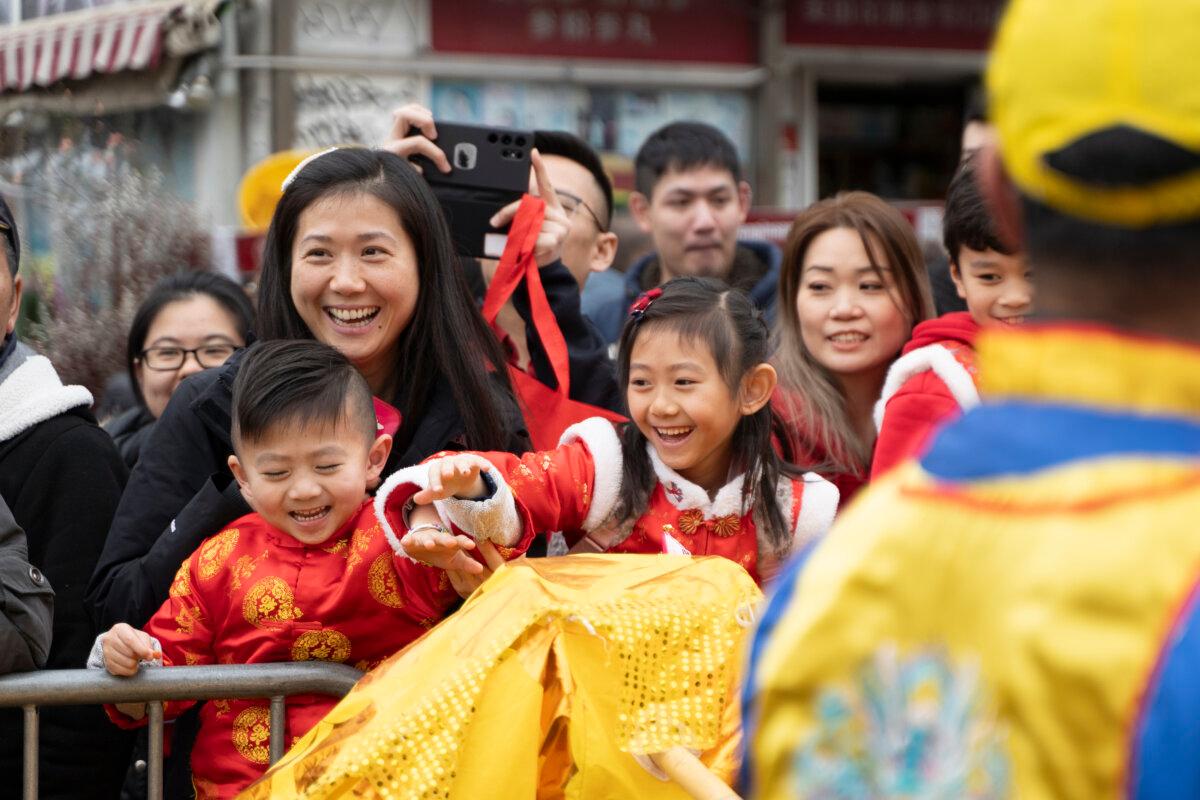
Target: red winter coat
[{"x": 933, "y": 381}]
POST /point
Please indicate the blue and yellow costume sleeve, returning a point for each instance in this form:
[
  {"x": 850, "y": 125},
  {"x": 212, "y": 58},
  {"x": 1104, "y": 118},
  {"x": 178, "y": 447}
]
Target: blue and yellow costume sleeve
[{"x": 1013, "y": 616}]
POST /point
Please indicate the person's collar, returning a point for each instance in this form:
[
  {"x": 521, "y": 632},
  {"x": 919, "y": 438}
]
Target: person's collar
[{"x": 1090, "y": 365}]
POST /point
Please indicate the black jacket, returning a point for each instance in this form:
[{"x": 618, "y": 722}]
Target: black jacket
[
  {"x": 181, "y": 490},
  {"x": 62, "y": 478},
  {"x": 129, "y": 431}
]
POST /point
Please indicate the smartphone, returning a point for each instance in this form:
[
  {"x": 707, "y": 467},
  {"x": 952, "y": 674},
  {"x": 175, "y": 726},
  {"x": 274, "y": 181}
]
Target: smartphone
[{"x": 489, "y": 169}]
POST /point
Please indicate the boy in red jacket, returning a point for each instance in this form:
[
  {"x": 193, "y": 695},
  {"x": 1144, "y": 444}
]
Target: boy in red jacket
[{"x": 934, "y": 379}]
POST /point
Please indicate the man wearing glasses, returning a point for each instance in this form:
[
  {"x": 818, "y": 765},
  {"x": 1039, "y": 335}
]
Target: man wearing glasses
[{"x": 61, "y": 477}]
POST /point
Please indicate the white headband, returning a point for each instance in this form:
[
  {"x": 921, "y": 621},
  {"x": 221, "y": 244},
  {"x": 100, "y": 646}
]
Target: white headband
[{"x": 292, "y": 175}]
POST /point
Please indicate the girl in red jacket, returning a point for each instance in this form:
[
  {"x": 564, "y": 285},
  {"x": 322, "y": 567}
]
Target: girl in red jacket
[
  {"x": 695, "y": 471},
  {"x": 934, "y": 379}
]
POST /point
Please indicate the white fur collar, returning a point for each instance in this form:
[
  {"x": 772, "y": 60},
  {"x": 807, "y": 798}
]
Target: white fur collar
[
  {"x": 33, "y": 393},
  {"x": 942, "y": 362},
  {"x": 686, "y": 495}
]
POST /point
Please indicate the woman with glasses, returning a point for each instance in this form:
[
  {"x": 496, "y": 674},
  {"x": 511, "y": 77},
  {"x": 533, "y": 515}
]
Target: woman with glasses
[{"x": 189, "y": 322}]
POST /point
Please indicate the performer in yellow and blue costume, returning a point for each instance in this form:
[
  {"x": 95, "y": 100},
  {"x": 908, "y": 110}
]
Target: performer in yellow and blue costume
[
  {"x": 1037, "y": 567},
  {"x": 1015, "y": 613}
]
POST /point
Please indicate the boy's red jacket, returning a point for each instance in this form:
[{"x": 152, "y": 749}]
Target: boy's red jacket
[{"x": 933, "y": 380}]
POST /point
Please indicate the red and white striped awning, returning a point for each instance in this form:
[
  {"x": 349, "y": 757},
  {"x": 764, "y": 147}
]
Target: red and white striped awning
[{"x": 76, "y": 45}]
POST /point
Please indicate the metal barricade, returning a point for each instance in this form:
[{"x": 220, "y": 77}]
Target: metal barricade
[{"x": 68, "y": 687}]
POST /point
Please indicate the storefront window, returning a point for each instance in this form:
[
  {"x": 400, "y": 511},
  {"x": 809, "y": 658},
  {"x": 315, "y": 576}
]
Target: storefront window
[
  {"x": 612, "y": 120},
  {"x": 899, "y": 141}
]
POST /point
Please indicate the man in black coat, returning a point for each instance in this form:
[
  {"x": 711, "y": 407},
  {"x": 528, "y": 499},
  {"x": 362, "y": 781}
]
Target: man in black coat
[{"x": 61, "y": 477}]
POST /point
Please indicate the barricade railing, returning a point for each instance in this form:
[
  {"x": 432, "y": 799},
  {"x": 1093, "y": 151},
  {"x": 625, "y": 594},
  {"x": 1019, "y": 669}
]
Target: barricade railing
[{"x": 69, "y": 687}]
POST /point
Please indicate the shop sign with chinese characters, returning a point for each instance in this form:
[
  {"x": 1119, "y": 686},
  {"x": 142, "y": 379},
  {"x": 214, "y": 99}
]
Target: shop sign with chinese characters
[
  {"x": 922, "y": 24},
  {"x": 658, "y": 30}
]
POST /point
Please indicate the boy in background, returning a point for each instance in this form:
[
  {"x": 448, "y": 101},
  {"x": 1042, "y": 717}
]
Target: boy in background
[{"x": 935, "y": 377}]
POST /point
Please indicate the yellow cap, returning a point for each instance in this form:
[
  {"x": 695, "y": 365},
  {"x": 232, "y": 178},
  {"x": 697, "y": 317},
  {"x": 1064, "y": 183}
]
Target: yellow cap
[
  {"x": 261, "y": 187},
  {"x": 1063, "y": 70}
]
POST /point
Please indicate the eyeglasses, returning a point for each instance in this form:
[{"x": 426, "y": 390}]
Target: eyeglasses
[
  {"x": 571, "y": 204},
  {"x": 169, "y": 358}
]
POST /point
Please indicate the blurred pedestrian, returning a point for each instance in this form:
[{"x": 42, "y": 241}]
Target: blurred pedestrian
[{"x": 61, "y": 477}]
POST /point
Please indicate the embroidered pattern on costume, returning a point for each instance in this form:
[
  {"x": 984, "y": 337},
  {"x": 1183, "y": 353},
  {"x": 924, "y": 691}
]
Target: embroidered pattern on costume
[
  {"x": 252, "y": 734},
  {"x": 360, "y": 543},
  {"x": 181, "y": 585},
  {"x": 382, "y": 582},
  {"x": 322, "y": 645},
  {"x": 215, "y": 551},
  {"x": 915, "y": 726},
  {"x": 269, "y": 602},
  {"x": 242, "y": 569}
]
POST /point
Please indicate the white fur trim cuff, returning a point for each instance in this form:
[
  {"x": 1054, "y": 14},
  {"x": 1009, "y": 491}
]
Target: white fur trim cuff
[
  {"x": 942, "y": 362},
  {"x": 493, "y": 518},
  {"x": 601, "y": 440},
  {"x": 818, "y": 507},
  {"x": 391, "y": 497}
]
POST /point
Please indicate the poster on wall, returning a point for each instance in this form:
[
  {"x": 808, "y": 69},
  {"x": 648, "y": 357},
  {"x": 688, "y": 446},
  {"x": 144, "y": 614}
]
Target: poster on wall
[
  {"x": 510, "y": 104},
  {"x": 382, "y": 28},
  {"x": 350, "y": 108}
]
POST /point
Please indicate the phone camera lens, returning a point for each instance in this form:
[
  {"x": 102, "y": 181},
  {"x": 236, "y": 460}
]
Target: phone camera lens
[
  {"x": 520, "y": 142},
  {"x": 506, "y": 139},
  {"x": 493, "y": 138}
]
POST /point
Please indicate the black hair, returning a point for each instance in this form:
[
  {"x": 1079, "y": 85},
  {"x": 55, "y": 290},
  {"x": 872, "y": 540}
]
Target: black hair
[
  {"x": 728, "y": 323},
  {"x": 10, "y": 255},
  {"x": 967, "y": 221},
  {"x": 299, "y": 382},
  {"x": 446, "y": 338},
  {"x": 571, "y": 147},
  {"x": 682, "y": 146},
  {"x": 975, "y": 109},
  {"x": 184, "y": 286}
]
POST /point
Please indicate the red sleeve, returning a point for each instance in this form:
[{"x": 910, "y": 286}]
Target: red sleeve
[
  {"x": 426, "y": 590},
  {"x": 183, "y": 627},
  {"x": 535, "y": 493},
  {"x": 552, "y": 489},
  {"x": 910, "y": 416}
]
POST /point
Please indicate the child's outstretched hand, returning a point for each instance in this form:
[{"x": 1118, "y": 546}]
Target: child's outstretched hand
[
  {"x": 125, "y": 646},
  {"x": 454, "y": 476},
  {"x": 442, "y": 549}
]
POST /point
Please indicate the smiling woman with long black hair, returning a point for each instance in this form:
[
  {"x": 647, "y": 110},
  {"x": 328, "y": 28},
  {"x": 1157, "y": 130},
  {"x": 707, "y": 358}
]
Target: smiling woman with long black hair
[{"x": 358, "y": 256}]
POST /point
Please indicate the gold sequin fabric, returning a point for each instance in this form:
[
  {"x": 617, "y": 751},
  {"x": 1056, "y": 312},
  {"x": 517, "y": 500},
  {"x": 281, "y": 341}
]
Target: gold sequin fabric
[{"x": 544, "y": 684}]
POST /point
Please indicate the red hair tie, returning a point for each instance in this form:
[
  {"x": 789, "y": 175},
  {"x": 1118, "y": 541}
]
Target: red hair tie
[{"x": 643, "y": 302}]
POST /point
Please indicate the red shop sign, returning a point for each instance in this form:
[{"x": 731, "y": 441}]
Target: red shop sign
[
  {"x": 929, "y": 24},
  {"x": 714, "y": 31}
]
